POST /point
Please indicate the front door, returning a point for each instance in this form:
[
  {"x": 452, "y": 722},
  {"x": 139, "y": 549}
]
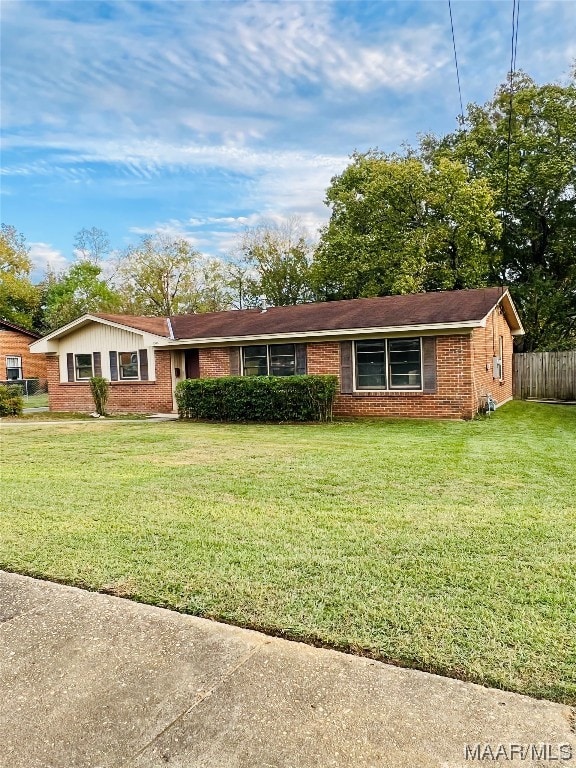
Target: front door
[{"x": 192, "y": 364}]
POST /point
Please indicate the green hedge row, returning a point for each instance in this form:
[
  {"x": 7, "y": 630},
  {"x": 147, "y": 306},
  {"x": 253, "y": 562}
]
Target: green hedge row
[
  {"x": 11, "y": 400},
  {"x": 257, "y": 398}
]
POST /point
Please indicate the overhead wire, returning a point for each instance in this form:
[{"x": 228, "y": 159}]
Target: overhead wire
[
  {"x": 512, "y": 72},
  {"x": 461, "y": 116}
]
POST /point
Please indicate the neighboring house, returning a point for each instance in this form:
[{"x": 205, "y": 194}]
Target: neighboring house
[
  {"x": 16, "y": 360},
  {"x": 421, "y": 355}
]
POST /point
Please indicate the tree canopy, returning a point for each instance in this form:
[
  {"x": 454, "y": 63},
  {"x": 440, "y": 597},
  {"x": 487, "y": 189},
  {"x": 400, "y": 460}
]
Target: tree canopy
[
  {"x": 401, "y": 225},
  {"x": 492, "y": 203},
  {"x": 523, "y": 143},
  {"x": 19, "y": 297},
  {"x": 76, "y": 291},
  {"x": 163, "y": 275},
  {"x": 278, "y": 257}
]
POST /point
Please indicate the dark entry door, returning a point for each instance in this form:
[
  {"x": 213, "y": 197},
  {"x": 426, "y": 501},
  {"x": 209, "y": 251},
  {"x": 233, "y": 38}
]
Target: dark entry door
[{"x": 192, "y": 364}]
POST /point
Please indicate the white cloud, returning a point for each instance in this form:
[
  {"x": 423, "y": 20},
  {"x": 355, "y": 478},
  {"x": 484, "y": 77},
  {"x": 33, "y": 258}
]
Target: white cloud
[{"x": 44, "y": 257}]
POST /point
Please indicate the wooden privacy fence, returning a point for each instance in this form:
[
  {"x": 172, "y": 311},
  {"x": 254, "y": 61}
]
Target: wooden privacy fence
[{"x": 545, "y": 375}]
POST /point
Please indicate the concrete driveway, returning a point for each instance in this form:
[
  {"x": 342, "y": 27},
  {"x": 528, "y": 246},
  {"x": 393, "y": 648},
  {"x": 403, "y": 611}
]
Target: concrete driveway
[{"x": 94, "y": 681}]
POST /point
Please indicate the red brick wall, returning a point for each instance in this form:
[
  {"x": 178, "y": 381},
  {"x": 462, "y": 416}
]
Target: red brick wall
[
  {"x": 14, "y": 343},
  {"x": 214, "y": 362},
  {"x": 133, "y": 397},
  {"x": 452, "y": 399},
  {"x": 460, "y": 367},
  {"x": 485, "y": 342}
]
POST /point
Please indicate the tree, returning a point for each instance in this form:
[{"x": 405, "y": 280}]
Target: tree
[
  {"x": 401, "y": 225},
  {"x": 242, "y": 284},
  {"x": 19, "y": 297},
  {"x": 166, "y": 276},
  {"x": 523, "y": 143},
  {"x": 76, "y": 291},
  {"x": 279, "y": 256},
  {"x": 91, "y": 245}
]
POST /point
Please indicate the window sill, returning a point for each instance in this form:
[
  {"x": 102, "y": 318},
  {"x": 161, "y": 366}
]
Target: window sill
[
  {"x": 387, "y": 393},
  {"x": 112, "y": 383}
]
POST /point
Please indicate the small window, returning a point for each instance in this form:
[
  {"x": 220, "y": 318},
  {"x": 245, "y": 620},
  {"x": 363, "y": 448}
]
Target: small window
[
  {"x": 13, "y": 368},
  {"x": 83, "y": 367},
  {"x": 404, "y": 362},
  {"x": 128, "y": 365}
]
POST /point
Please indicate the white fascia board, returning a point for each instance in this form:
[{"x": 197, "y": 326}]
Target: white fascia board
[
  {"x": 509, "y": 307},
  {"x": 341, "y": 333},
  {"x": 48, "y": 344},
  {"x": 519, "y": 331}
]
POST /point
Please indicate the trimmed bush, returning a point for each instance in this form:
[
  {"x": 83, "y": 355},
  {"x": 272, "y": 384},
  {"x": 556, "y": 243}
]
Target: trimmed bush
[
  {"x": 11, "y": 400},
  {"x": 100, "y": 389},
  {"x": 257, "y": 398}
]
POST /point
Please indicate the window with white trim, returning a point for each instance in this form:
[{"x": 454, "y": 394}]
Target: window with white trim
[
  {"x": 385, "y": 364},
  {"x": 83, "y": 367},
  {"x": 128, "y": 365},
  {"x": 13, "y": 368},
  {"x": 269, "y": 360}
]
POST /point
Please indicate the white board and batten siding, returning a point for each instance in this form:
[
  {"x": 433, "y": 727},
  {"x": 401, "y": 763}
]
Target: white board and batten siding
[{"x": 103, "y": 339}]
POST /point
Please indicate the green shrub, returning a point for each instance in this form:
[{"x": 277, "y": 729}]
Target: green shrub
[
  {"x": 257, "y": 398},
  {"x": 11, "y": 400},
  {"x": 100, "y": 389}
]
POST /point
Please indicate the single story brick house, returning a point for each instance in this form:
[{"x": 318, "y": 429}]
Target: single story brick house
[
  {"x": 16, "y": 360},
  {"x": 421, "y": 355}
]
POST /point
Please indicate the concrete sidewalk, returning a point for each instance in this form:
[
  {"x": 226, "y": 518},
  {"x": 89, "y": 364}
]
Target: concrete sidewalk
[{"x": 94, "y": 681}]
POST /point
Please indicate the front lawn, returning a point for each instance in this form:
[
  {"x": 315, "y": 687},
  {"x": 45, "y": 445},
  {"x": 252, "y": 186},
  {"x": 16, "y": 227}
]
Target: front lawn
[{"x": 446, "y": 546}]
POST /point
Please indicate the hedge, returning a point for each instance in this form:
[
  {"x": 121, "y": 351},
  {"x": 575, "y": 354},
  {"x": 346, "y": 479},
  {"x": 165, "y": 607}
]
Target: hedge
[
  {"x": 257, "y": 398},
  {"x": 11, "y": 400}
]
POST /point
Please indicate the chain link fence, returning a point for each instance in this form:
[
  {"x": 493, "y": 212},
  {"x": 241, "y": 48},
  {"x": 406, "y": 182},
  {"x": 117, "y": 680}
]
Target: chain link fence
[{"x": 34, "y": 391}]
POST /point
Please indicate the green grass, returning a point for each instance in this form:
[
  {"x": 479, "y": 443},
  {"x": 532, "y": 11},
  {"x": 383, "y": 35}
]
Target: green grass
[
  {"x": 36, "y": 401},
  {"x": 446, "y": 546}
]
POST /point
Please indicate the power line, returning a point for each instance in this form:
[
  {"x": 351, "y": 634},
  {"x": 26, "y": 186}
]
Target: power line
[
  {"x": 461, "y": 116},
  {"x": 513, "y": 50}
]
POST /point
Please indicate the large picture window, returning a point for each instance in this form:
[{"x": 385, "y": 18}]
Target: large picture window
[
  {"x": 269, "y": 360},
  {"x": 389, "y": 364},
  {"x": 83, "y": 366}
]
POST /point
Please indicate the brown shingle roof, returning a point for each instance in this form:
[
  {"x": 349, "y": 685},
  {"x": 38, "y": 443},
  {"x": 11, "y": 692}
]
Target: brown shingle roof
[
  {"x": 13, "y": 327},
  {"x": 387, "y": 311},
  {"x": 157, "y": 325}
]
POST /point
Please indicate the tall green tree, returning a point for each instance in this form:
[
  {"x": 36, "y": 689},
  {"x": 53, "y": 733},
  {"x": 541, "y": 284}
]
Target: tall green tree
[
  {"x": 76, "y": 291},
  {"x": 523, "y": 144},
  {"x": 400, "y": 225},
  {"x": 162, "y": 275},
  {"x": 19, "y": 297},
  {"x": 278, "y": 255}
]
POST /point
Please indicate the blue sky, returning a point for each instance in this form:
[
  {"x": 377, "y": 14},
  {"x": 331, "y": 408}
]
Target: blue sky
[{"x": 201, "y": 118}]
